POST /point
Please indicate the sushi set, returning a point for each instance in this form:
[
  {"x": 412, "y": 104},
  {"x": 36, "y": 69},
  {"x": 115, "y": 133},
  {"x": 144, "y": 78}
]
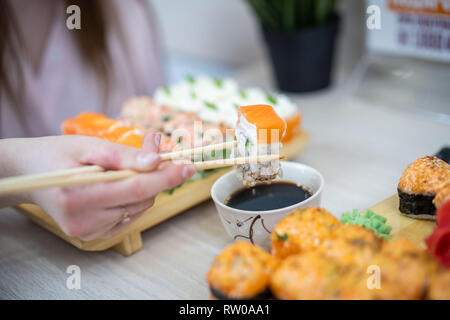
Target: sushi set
[
  {"x": 182, "y": 131},
  {"x": 287, "y": 246}
]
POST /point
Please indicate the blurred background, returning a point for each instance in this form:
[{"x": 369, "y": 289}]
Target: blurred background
[
  {"x": 217, "y": 36},
  {"x": 222, "y": 38}
]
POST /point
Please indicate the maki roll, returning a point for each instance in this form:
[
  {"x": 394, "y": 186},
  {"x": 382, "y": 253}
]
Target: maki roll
[
  {"x": 405, "y": 271},
  {"x": 259, "y": 131},
  {"x": 309, "y": 276},
  {"x": 241, "y": 271},
  {"x": 351, "y": 245},
  {"x": 439, "y": 288},
  {"x": 419, "y": 184},
  {"x": 301, "y": 231},
  {"x": 442, "y": 195}
]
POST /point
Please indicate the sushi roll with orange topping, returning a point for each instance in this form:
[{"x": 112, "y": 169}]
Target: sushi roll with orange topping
[
  {"x": 403, "y": 271},
  {"x": 301, "y": 231},
  {"x": 241, "y": 271},
  {"x": 419, "y": 184},
  {"x": 442, "y": 194},
  {"x": 259, "y": 131},
  {"x": 310, "y": 276},
  {"x": 351, "y": 245},
  {"x": 439, "y": 288}
]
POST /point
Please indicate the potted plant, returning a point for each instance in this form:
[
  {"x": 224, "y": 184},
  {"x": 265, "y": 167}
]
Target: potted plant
[{"x": 300, "y": 35}]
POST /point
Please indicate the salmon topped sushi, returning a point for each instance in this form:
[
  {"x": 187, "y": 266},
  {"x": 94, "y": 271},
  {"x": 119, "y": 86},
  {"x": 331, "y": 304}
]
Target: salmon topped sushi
[{"x": 259, "y": 131}]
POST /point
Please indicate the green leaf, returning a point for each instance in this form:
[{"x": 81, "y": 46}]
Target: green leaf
[
  {"x": 243, "y": 94},
  {"x": 283, "y": 237},
  {"x": 193, "y": 95},
  {"x": 265, "y": 13},
  {"x": 212, "y": 106},
  {"x": 289, "y": 15},
  {"x": 321, "y": 11}
]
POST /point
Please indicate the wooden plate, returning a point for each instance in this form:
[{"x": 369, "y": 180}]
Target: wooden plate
[
  {"x": 402, "y": 226},
  {"x": 129, "y": 240}
]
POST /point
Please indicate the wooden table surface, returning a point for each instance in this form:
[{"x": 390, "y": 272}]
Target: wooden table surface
[{"x": 360, "y": 147}]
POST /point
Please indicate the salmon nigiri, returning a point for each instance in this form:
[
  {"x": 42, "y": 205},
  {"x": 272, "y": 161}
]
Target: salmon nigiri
[
  {"x": 259, "y": 131},
  {"x": 87, "y": 124}
]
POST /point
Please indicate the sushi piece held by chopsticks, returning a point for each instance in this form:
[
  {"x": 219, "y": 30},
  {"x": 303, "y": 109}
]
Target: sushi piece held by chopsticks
[{"x": 259, "y": 131}]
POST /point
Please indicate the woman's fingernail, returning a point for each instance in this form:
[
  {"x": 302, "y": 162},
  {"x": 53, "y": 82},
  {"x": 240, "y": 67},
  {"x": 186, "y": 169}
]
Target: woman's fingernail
[
  {"x": 188, "y": 171},
  {"x": 157, "y": 139},
  {"x": 146, "y": 161}
]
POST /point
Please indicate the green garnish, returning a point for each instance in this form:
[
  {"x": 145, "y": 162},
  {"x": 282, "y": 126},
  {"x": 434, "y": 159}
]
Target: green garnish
[
  {"x": 211, "y": 106},
  {"x": 193, "y": 95},
  {"x": 198, "y": 175},
  {"x": 190, "y": 79},
  {"x": 236, "y": 106},
  {"x": 271, "y": 98},
  {"x": 283, "y": 237},
  {"x": 248, "y": 146},
  {"x": 166, "y": 118},
  {"x": 171, "y": 191},
  {"x": 218, "y": 82},
  {"x": 201, "y": 174},
  {"x": 369, "y": 220},
  {"x": 179, "y": 139},
  {"x": 243, "y": 94},
  {"x": 166, "y": 90}
]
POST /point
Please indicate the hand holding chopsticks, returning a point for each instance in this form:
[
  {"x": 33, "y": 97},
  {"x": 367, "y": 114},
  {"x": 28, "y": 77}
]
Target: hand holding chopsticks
[{"x": 95, "y": 174}]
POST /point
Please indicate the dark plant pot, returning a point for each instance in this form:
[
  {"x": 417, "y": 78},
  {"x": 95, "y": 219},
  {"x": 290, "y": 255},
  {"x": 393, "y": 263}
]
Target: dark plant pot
[{"x": 302, "y": 59}]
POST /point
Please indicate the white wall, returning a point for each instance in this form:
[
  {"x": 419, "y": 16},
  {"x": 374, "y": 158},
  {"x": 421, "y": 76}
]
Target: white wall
[
  {"x": 222, "y": 31},
  {"x": 227, "y": 32}
]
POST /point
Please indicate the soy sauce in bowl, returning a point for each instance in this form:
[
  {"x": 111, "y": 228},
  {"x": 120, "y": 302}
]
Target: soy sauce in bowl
[{"x": 263, "y": 197}]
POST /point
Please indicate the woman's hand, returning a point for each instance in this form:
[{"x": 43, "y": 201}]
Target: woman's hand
[{"x": 98, "y": 210}]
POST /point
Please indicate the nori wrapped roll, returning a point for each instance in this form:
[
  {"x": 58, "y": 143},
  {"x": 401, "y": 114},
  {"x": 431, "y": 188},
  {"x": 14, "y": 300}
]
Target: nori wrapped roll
[{"x": 418, "y": 186}]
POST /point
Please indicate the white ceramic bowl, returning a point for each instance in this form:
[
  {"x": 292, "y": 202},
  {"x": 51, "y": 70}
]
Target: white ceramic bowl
[{"x": 256, "y": 226}]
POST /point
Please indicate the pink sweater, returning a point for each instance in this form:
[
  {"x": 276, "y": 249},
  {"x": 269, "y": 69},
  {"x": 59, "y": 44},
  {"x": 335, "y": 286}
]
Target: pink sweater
[{"x": 63, "y": 86}]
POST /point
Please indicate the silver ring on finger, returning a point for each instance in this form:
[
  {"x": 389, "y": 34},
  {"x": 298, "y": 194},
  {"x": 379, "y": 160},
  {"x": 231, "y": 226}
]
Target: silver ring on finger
[{"x": 125, "y": 215}]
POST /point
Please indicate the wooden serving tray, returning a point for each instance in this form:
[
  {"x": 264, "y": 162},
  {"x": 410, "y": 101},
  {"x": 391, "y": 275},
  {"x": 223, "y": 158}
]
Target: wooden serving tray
[
  {"x": 129, "y": 239},
  {"x": 403, "y": 227}
]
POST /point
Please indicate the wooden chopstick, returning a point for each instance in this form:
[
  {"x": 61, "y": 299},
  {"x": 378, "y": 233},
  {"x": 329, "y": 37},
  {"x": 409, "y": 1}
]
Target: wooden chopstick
[
  {"x": 55, "y": 178},
  {"x": 10, "y": 185},
  {"x": 30, "y": 182},
  {"x": 188, "y": 153},
  {"x": 35, "y": 181},
  {"x": 222, "y": 163}
]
